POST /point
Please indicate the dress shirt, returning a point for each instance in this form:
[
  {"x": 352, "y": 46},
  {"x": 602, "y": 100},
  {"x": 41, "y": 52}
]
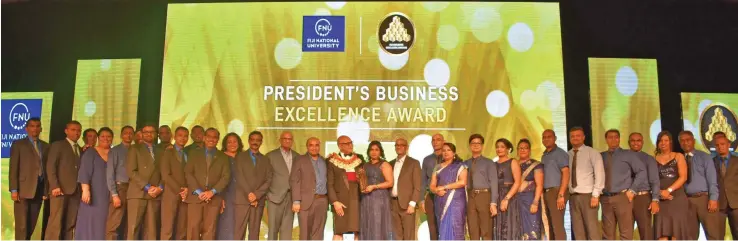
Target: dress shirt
[
  {"x": 652, "y": 175},
  {"x": 321, "y": 175},
  {"x": 116, "y": 171},
  {"x": 484, "y": 176},
  {"x": 396, "y": 173},
  {"x": 429, "y": 163},
  {"x": 625, "y": 165},
  {"x": 590, "y": 171},
  {"x": 704, "y": 175},
  {"x": 287, "y": 155},
  {"x": 553, "y": 161}
]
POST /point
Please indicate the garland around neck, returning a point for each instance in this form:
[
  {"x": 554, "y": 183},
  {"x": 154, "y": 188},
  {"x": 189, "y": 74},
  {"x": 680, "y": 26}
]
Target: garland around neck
[{"x": 348, "y": 164}]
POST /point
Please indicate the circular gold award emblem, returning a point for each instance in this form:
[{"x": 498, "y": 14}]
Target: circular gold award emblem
[{"x": 396, "y": 34}]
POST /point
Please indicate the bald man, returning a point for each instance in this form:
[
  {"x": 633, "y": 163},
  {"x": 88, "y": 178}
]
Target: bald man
[
  {"x": 429, "y": 162},
  {"x": 279, "y": 213},
  {"x": 343, "y": 188},
  {"x": 308, "y": 181},
  {"x": 405, "y": 192},
  {"x": 727, "y": 166}
]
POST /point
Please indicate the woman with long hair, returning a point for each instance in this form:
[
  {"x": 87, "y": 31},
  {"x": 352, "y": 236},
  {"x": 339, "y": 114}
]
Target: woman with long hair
[
  {"x": 231, "y": 146},
  {"x": 93, "y": 209},
  {"x": 449, "y": 184},
  {"x": 507, "y": 224},
  {"x": 376, "y": 219},
  {"x": 529, "y": 194},
  {"x": 671, "y": 222}
]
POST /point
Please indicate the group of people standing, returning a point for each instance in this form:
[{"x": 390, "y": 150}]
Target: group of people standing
[{"x": 143, "y": 190}]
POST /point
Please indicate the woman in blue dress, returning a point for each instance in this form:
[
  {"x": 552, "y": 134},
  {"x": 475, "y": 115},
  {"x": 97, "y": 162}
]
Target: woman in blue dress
[
  {"x": 530, "y": 193},
  {"x": 93, "y": 208},
  {"x": 449, "y": 184},
  {"x": 231, "y": 146},
  {"x": 376, "y": 219}
]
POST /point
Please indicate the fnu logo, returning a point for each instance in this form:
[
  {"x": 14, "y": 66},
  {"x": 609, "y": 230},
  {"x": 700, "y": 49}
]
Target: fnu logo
[
  {"x": 15, "y": 113},
  {"x": 323, "y": 33}
]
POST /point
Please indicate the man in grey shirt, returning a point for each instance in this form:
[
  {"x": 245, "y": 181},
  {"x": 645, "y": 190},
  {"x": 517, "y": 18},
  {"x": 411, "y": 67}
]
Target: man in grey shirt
[
  {"x": 555, "y": 184},
  {"x": 481, "y": 190},
  {"x": 623, "y": 173},
  {"x": 587, "y": 182},
  {"x": 429, "y": 163},
  {"x": 646, "y": 201},
  {"x": 117, "y": 180}
]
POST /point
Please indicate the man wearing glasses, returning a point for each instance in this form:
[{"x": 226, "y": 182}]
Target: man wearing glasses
[
  {"x": 144, "y": 187},
  {"x": 343, "y": 189},
  {"x": 405, "y": 193},
  {"x": 280, "y": 215},
  {"x": 482, "y": 191}
]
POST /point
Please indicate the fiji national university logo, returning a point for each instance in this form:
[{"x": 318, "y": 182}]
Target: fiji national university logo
[{"x": 323, "y": 33}]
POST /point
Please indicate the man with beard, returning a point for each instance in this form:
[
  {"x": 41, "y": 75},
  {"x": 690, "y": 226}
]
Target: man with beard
[
  {"x": 253, "y": 176},
  {"x": 343, "y": 188},
  {"x": 646, "y": 201},
  {"x": 197, "y": 135}
]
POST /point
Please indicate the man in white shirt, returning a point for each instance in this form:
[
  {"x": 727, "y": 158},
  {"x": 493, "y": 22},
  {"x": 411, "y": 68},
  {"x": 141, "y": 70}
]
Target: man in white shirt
[
  {"x": 405, "y": 192},
  {"x": 586, "y": 184}
]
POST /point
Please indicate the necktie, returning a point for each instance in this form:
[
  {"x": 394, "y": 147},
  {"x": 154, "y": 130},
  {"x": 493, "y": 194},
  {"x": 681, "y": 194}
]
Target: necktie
[
  {"x": 471, "y": 171},
  {"x": 723, "y": 167},
  {"x": 182, "y": 157},
  {"x": 574, "y": 170},
  {"x": 689, "y": 167},
  {"x": 76, "y": 149},
  {"x": 608, "y": 176},
  {"x": 208, "y": 159},
  {"x": 253, "y": 158},
  {"x": 38, "y": 152}
]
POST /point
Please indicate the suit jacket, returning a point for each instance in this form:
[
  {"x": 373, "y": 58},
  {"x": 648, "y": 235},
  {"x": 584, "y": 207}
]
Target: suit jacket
[
  {"x": 250, "y": 178},
  {"x": 303, "y": 180},
  {"x": 280, "y": 175},
  {"x": 172, "y": 171},
  {"x": 24, "y": 167},
  {"x": 62, "y": 166},
  {"x": 200, "y": 176},
  {"x": 726, "y": 184},
  {"x": 408, "y": 183},
  {"x": 143, "y": 170},
  {"x": 338, "y": 184}
]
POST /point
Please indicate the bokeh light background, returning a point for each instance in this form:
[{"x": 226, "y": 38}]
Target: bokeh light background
[
  {"x": 624, "y": 94},
  {"x": 106, "y": 94},
  {"x": 694, "y": 103},
  {"x": 505, "y": 58}
]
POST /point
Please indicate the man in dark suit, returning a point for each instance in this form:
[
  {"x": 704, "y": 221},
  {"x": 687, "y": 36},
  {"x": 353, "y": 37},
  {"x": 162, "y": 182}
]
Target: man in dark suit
[
  {"x": 308, "y": 181},
  {"x": 144, "y": 187},
  {"x": 343, "y": 188},
  {"x": 727, "y": 166},
  {"x": 165, "y": 136},
  {"x": 27, "y": 178},
  {"x": 279, "y": 199},
  {"x": 62, "y": 168},
  {"x": 174, "y": 209},
  {"x": 197, "y": 134},
  {"x": 208, "y": 173},
  {"x": 254, "y": 174},
  {"x": 405, "y": 192}
]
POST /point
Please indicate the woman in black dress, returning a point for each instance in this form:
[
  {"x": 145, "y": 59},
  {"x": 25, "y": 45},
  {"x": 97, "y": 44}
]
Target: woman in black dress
[{"x": 671, "y": 221}]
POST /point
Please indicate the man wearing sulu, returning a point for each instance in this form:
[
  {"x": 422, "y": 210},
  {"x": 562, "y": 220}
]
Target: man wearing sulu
[
  {"x": 343, "y": 188},
  {"x": 309, "y": 184}
]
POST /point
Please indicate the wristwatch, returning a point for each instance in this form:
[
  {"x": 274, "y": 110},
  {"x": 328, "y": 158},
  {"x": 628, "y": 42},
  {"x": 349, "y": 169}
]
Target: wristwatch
[{"x": 669, "y": 190}]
